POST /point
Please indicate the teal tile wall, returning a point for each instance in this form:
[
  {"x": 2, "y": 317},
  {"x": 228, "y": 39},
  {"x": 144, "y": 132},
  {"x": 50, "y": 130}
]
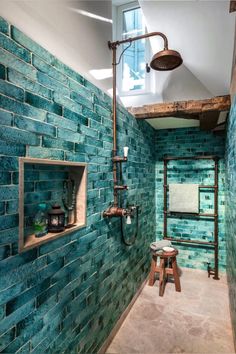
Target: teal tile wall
[
  {"x": 230, "y": 220},
  {"x": 192, "y": 142},
  {"x": 67, "y": 295}
]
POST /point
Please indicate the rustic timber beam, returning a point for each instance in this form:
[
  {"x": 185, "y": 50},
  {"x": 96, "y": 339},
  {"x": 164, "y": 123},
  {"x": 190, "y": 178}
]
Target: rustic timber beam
[
  {"x": 232, "y": 6},
  {"x": 182, "y": 109},
  {"x": 208, "y": 120}
]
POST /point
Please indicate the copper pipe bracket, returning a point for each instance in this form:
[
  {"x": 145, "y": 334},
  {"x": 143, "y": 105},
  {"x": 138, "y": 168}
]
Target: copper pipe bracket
[
  {"x": 121, "y": 188},
  {"x": 119, "y": 159}
]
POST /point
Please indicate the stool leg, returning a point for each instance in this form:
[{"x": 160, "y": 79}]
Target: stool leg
[
  {"x": 176, "y": 275},
  {"x": 152, "y": 272},
  {"x": 162, "y": 278}
]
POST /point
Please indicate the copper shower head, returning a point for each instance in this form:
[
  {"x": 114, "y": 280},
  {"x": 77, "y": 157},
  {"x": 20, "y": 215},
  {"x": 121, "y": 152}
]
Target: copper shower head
[{"x": 166, "y": 60}]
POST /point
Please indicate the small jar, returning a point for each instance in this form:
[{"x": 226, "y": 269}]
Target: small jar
[
  {"x": 56, "y": 219},
  {"x": 40, "y": 221}
]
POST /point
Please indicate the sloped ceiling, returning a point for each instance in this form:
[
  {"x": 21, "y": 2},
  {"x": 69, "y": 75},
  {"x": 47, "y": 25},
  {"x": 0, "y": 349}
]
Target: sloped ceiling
[{"x": 203, "y": 32}]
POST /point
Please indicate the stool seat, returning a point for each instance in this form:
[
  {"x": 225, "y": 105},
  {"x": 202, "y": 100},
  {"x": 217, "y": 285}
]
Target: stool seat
[{"x": 164, "y": 269}]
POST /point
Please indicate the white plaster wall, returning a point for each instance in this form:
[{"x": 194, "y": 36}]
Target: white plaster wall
[
  {"x": 203, "y": 32},
  {"x": 77, "y": 40}
]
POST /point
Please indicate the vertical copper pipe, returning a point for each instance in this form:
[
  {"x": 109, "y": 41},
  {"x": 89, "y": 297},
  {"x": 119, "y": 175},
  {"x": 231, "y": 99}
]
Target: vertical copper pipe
[
  {"x": 216, "y": 275},
  {"x": 114, "y": 123},
  {"x": 165, "y": 198}
]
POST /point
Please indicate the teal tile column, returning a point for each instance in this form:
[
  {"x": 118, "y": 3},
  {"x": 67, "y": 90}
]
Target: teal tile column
[{"x": 230, "y": 216}]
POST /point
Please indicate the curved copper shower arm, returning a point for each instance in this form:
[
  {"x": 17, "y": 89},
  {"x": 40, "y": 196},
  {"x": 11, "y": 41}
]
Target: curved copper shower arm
[
  {"x": 113, "y": 45},
  {"x": 115, "y": 210}
]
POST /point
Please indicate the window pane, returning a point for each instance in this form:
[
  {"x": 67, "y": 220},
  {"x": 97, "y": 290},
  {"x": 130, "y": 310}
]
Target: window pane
[{"x": 133, "y": 69}]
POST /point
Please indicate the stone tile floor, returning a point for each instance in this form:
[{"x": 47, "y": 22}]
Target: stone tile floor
[{"x": 197, "y": 320}]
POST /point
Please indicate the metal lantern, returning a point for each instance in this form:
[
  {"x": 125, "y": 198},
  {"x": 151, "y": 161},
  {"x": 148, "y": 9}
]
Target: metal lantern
[{"x": 56, "y": 219}]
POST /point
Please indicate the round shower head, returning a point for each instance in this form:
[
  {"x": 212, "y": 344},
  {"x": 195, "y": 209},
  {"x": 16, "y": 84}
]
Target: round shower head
[{"x": 166, "y": 60}]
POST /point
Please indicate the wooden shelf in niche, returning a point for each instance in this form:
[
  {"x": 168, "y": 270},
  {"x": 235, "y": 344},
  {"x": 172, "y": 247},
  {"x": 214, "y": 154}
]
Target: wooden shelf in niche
[{"x": 41, "y": 181}]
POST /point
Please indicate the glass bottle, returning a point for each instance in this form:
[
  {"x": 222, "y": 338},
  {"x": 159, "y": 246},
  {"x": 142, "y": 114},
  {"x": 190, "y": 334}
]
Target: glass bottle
[{"x": 40, "y": 221}]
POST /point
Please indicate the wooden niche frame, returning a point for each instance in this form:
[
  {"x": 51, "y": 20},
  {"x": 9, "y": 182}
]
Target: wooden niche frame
[{"x": 76, "y": 170}]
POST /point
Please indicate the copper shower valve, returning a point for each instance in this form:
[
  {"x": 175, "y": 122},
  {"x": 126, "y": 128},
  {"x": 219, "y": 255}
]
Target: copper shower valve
[{"x": 114, "y": 211}]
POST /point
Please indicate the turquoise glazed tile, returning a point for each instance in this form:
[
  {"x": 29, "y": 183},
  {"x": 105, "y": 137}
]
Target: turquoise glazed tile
[
  {"x": 68, "y": 71},
  {"x": 40, "y": 102},
  {"x": 8, "y": 149},
  {"x": 35, "y": 126},
  {"x": 12, "y": 47},
  {"x": 6, "y": 118},
  {"x": 10, "y": 60},
  {"x": 4, "y": 26},
  {"x": 20, "y": 108},
  {"x": 29, "y": 85},
  {"x": 7, "y": 338},
  {"x": 62, "y": 122},
  {"x": 11, "y": 90},
  {"x": 57, "y": 144},
  {"x": 49, "y": 70},
  {"x": 8, "y": 192},
  {"x": 35, "y": 151},
  {"x": 2, "y": 72},
  {"x": 53, "y": 84},
  {"x": 75, "y": 117},
  {"x": 80, "y": 99},
  {"x": 28, "y": 43},
  {"x": 230, "y": 210},
  {"x": 18, "y": 136},
  {"x": 8, "y": 221}
]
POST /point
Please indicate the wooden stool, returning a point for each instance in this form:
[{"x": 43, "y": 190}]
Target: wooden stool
[{"x": 164, "y": 271}]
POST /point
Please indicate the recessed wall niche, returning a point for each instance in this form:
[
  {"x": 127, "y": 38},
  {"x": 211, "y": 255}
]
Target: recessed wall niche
[{"x": 49, "y": 182}]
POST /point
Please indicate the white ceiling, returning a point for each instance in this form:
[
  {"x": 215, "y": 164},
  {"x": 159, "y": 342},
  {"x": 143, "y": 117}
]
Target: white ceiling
[
  {"x": 203, "y": 32},
  {"x": 172, "y": 123}
]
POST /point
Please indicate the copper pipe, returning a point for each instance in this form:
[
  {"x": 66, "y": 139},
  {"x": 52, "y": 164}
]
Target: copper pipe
[
  {"x": 113, "y": 45},
  {"x": 206, "y": 157},
  {"x": 180, "y": 240},
  {"x": 200, "y": 186},
  {"x": 114, "y": 117},
  {"x": 165, "y": 198},
  {"x": 176, "y": 213},
  {"x": 216, "y": 270}
]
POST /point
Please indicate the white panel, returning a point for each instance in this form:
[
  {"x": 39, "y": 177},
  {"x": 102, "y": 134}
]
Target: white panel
[{"x": 172, "y": 123}]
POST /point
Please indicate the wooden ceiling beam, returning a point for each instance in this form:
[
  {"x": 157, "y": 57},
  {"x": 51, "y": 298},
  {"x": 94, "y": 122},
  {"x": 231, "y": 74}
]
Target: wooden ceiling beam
[
  {"x": 182, "y": 109},
  {"x": 208, "y": 120},
  {"x": 232, "y": 6}
]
